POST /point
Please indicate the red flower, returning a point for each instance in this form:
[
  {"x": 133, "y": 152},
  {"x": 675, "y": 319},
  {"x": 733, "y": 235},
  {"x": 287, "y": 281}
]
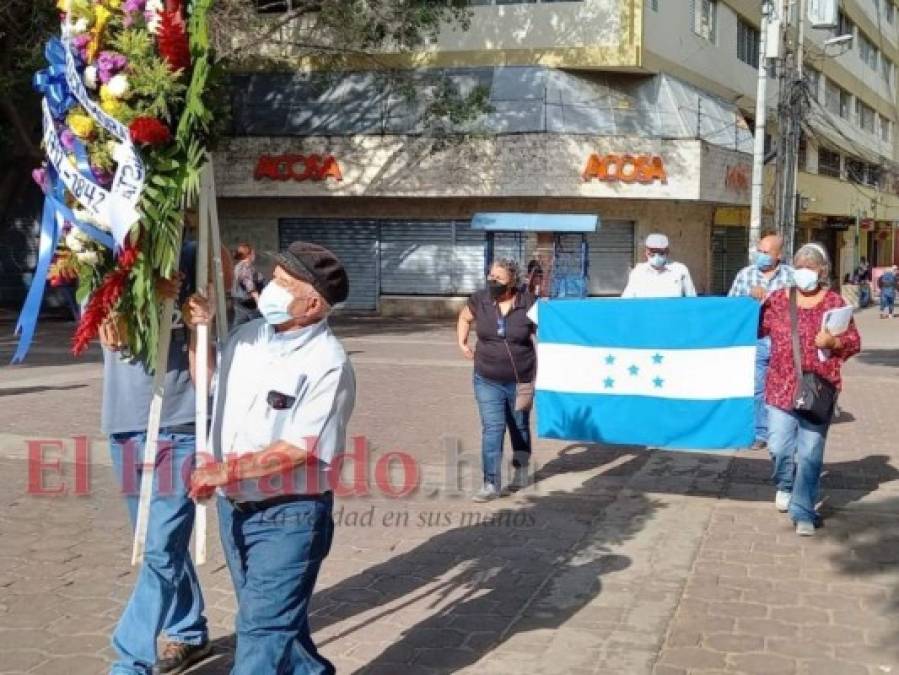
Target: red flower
[
  {"x": 172, "y": 37},
  {"x": 149, "y": 131},
  {"x": 102, "y": 301}
]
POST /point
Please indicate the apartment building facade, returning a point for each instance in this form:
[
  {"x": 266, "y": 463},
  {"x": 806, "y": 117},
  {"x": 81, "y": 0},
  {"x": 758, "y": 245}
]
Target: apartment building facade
[{"x": 632, "y": 110}]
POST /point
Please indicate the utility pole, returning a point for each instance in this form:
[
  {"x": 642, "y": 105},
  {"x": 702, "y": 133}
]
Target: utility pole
[
  {"x": 797, "y": 112},
  {"x": 758, "y": 153}
]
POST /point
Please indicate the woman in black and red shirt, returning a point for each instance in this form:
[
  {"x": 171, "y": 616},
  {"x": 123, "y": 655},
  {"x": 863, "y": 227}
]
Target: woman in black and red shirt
[{"x": 796, "y": 444}]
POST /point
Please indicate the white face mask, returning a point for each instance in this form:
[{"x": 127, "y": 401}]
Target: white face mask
[
  {"x": 658, "y": 260},
  {"x": 274, "y": 302},
  {"x": 806, "y": 279}
]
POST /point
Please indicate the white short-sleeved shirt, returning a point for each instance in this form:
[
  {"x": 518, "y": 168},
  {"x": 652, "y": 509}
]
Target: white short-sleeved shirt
[
  {"x": 672, "y": 281},
  {"x": 297, "y": 387}
]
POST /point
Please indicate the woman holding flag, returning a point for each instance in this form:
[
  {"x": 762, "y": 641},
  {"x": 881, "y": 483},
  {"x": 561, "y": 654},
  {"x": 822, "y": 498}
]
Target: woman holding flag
[{"x": 803, "y": 382}]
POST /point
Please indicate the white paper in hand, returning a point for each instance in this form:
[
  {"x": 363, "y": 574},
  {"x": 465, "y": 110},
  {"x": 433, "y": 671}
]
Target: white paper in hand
[{"x": 835, "y": 322}]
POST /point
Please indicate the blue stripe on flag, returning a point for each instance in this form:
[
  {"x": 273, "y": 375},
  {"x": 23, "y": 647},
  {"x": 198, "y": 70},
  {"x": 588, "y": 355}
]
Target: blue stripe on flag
[
  {"x": 643, "y": 420},
  {"x": 675, "y": 323}
]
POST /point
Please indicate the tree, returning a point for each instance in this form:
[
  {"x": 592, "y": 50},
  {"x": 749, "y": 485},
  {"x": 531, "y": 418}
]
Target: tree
[{"x": 247, "y": 35}]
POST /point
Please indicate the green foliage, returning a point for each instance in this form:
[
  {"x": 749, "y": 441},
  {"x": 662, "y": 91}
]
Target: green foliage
[
  {"x": 136, "y": 44},
  {"x": 155, "y": 90}
]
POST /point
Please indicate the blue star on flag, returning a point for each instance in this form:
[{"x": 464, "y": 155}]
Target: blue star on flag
[
  {"x": 657, "y": 359},
  {"x": 609, "y": 383},
  {"x": 610, "y": 360},
  {"x": 634, "y": 370},
  {"x": 658, "y": 382}
]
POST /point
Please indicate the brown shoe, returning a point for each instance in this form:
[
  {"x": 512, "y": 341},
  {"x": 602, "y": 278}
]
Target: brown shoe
[{"x": 179, "y": 656}]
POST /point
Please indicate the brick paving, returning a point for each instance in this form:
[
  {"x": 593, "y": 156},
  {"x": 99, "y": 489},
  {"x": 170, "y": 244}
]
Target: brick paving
[{"x": 619, "y": 560}]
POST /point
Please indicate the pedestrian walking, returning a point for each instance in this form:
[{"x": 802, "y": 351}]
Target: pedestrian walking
[
  {"x": 505, "y": 364},
  {"x": 887, "y": 285},
  {"x": 766, "y": 275},
  {"x": 792, "y": 318},
  {"x": 283, "y": 399},
  {"x": 659, "y": 276},
  {"x": 247, "y": 286}
]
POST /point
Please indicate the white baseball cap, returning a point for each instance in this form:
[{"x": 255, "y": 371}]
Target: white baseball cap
[{"x": 659, "y": 241}]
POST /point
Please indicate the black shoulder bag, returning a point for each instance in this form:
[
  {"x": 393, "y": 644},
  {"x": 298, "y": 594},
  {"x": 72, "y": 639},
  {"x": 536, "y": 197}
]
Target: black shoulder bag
[{"x": 815, "y": 396}]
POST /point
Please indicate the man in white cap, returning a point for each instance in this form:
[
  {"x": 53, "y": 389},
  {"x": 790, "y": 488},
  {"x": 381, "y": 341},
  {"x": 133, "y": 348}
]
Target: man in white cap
[{"x": 659, "y": 277}]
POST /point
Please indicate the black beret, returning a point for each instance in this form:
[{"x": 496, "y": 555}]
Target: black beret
[{"x": 316, "y": 265}]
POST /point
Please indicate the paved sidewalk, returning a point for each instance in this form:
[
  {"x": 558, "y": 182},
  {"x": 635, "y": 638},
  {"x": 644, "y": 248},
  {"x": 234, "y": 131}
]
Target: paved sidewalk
[{"x": 619, "y": 560}]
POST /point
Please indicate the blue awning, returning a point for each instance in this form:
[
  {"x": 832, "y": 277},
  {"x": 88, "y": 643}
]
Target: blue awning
[{"x": 535, "y": 222}]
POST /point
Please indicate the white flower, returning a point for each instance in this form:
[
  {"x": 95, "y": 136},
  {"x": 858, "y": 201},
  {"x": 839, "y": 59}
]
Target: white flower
[
  {"x": 90, "y": 77},
  {"x": 88, "y": 257},
  {"x": 118, "y": 86},
  {"x": 76, "y": 241},
  {"x": 120, "y": 153},
  {"x": 80, "y": 26},
  {"x": 152, "y": 12}
]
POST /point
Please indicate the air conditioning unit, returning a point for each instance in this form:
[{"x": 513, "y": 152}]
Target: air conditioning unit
[{"x": 823, "y": 13}]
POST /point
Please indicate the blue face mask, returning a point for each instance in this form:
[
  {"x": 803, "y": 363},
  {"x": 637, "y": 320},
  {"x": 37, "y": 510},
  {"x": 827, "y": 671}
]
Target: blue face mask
[
  {"x": 274, "y": 302},
  {"x": 658, "y": 260},
  {"x": 764, "y": 261}
]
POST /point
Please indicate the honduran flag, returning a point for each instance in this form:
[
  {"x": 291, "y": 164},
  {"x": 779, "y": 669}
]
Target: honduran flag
[{"x": 670, "y": 373}]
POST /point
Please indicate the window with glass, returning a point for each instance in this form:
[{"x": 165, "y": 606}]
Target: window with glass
[
  {"x": 844, "y": 25},
  {"x": 828, "y": 163},
  {"x": 885, "y": 131},
  {"x": 705, "y": 18},
  {"x": 845, "y": 104},
  {"x": 654, "y": 5},
  {"x": 864, "y": 115},
  {"x": 867, "y": 51},
  {"x": 889, "y": 11},
  {"x": 813, "y": 82},
  {"x": 832, "y": 97},
  {"x": 747, "y": 43},
  {"x": 886, "y": 70}
]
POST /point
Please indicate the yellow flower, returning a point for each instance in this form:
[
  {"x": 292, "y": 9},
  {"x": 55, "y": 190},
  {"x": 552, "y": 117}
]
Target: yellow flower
[
  {"x": 114, "y": 4},
  {"x": 81, "y": 125},
  {"x": 101, "y": 18},
  {"x": 111, "y": 106},
  {"x": 64, "y": 5}
]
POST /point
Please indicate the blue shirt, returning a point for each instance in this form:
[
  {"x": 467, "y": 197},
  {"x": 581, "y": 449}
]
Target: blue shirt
[
  {"x": 752, "y": 277},
  {"x": 128, "y": 386}
]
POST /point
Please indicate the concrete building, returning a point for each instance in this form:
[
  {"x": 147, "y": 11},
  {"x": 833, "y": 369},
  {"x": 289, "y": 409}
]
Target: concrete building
[{"x": 584, "y": 96}]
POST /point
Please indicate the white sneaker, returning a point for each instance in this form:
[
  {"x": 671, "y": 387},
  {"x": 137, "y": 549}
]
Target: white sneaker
[
  {"x": 520, "y": 479},
  {"x": 486, "y": 494},
  {"x": 805, "y": 528},
  {"x": 782, "y": 501}
]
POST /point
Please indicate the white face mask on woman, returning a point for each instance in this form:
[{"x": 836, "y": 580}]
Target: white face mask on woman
[{"x": 806, "y": 280}]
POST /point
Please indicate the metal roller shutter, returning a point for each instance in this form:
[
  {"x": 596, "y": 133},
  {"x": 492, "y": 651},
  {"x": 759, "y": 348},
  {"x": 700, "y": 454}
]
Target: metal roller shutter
[
  {"x": 354, "y": 242},
  {"x": 468, "y": 259},
  {"x": 509, "y": 245},
  {"x": 416, "y": 257},
  {"x": 611, "y": 256},
  {"x": 728, "y": 256}
]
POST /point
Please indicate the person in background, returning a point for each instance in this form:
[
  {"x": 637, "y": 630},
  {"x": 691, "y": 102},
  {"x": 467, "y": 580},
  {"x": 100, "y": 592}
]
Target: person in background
[
  {"x": 759, "y": 280},
  {"x": 247, "y": 285},
  {"x": 863, "y": 277},
  {"x": 887, "y": 285},
  {"x": 796, "y": 444},
  {"x": 659, "y": 277},
  {"x": 166, "y": 595},
  {"x": 535, "y": 278},
  {"x": 505, "y": 355}
]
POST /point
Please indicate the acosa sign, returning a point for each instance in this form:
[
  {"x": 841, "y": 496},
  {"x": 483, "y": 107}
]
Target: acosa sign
[
  {"x": 625, "y": 168},
  {"x": 297, "y": 167}
]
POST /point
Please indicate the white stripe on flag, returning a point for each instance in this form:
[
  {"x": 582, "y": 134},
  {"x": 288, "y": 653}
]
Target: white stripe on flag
[{"x": 695, "y": 374}]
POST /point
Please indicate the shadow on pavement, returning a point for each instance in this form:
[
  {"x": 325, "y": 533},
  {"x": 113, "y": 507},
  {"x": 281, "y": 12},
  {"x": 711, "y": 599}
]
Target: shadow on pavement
[
  {"x": 880, "y": 357},
  {"x": 18, "y": 391},
  {"x": 475, "y": 575}
]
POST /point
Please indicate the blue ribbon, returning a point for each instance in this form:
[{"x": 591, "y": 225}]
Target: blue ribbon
[
  {"x": 50, "y": 233},
  {"x": 51, "y": 81},
  {"x": 82, "y": 161}
]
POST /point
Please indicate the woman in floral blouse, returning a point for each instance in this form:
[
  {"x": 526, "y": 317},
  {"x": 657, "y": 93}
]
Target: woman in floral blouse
[{"x": 796, "y": 445}]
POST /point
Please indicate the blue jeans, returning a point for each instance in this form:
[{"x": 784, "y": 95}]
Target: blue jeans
[
  {"x": 762, "y": 358},
  {"x": 167, "y": 594},
  {"x": 887, "y": 302},
  {"x": 274, "y": 557},
  {"x": 496, "y": 404},
  {"x": 797, "y": 450}
]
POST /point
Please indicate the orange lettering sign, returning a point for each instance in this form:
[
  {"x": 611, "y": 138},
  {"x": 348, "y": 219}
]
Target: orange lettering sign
[
  {"x": 297, "y": 167},
  {"x": 737, "y": 178},
  {"x": 625, "y": 168}
]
